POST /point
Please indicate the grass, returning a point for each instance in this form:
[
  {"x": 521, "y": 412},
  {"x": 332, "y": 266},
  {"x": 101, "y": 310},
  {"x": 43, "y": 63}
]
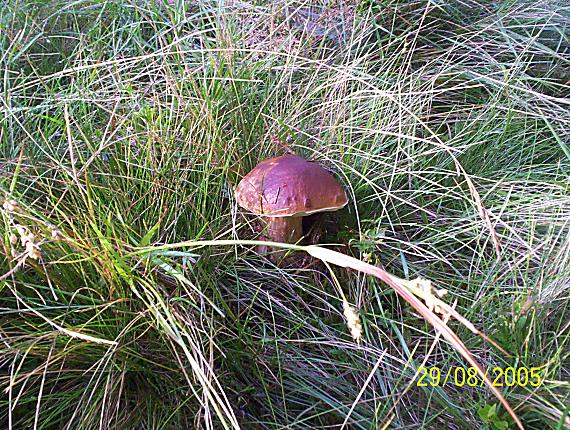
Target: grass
[{"x": 125, "y": 126}]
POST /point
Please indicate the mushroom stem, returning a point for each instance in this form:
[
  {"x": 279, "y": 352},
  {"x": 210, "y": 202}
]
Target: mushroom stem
[{"x": 287, "y": 229}]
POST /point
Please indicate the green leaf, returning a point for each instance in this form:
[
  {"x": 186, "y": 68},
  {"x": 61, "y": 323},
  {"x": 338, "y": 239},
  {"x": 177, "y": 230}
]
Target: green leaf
[
  {"x": 145, "y": 241},
  {"x": 487, "y": 412},
  {"x": 500, "y": 425}
]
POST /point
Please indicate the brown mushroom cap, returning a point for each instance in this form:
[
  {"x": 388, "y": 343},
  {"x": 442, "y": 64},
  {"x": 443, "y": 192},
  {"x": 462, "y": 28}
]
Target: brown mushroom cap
[{"x": 289, "y": 186}]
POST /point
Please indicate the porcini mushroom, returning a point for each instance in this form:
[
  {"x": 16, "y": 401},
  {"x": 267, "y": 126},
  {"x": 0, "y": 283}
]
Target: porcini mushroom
[{"x": 285, "y": 189}]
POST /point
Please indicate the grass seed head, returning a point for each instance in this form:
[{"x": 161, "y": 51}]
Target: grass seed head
[
  {"x": 33, "y": 250},
  {"x": 27, "y": 238},
  {"x": 352, "y": 321},
  {"x": 10, "y": 205},
  {"x": 55, "y": 232}
]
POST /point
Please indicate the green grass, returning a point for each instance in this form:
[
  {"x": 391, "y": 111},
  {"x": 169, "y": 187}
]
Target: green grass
[{"x": 127, "y": 125}]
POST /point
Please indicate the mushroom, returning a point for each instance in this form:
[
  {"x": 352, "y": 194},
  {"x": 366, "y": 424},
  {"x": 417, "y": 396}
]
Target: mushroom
[{"x": 285, "y": 189}]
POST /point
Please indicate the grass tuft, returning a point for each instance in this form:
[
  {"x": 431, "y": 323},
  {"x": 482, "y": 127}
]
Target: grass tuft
[{"x": 124, "y": 128}]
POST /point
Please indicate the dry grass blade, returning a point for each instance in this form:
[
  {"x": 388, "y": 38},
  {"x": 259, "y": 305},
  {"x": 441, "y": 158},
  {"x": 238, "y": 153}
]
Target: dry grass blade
[
  {"x": 417, "y": 286},
  {"x": 71, "y": 333},
  {"x": 342, "y": 260}
]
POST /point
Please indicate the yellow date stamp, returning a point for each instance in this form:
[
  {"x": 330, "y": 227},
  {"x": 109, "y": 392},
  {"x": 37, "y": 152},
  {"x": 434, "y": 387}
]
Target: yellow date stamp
[{"x": 468, "y": 376}]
